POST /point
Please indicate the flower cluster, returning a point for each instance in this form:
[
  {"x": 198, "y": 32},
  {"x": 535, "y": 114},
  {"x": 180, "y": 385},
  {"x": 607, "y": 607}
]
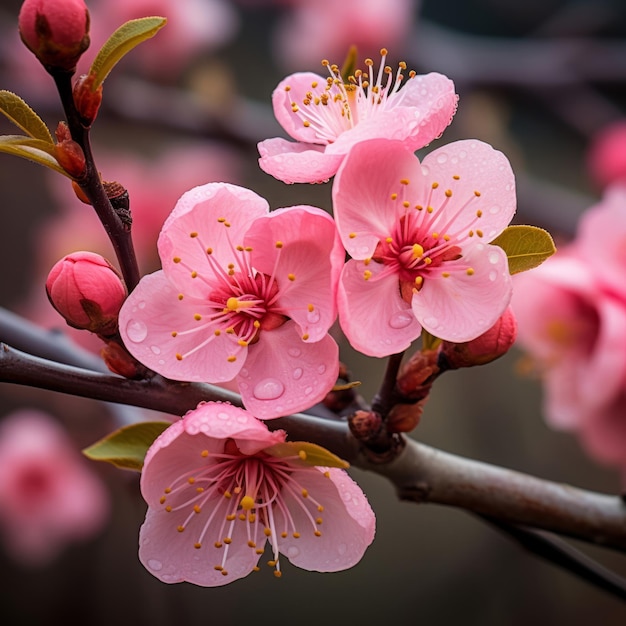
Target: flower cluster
[{"x": 571, "y": 314}]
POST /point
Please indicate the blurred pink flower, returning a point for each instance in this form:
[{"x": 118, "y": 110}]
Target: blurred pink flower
[
  {"x": 218, "y": 491},
  {"x": 243, "y": 294},
  {"x": 327, "y": 117},
  {"x": 606, "y": 156},
  {"x": 418, "y": 236},
  {"x": 316, "y": 28},
  {"x": 48, "y": 497},
  {"x": 571, "y": 314}
]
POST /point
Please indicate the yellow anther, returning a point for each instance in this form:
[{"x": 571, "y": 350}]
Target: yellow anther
[
  {"x": 230, "y": 518},
  {"x": 479, "y": 232},
  {"x": 305, "y": 336},
  {"x": 456, "y": 177},
  {"x": 310, "y": 308},
  {"x": 284, "y": 535},
  {"x": 291, "y": 277},
  {"x": 174, "y": 333},
  {"x": 209, "y": 250},
  {"x": 287, "y": 88},
  {"x": 305, "y": 493},
  {"x": 279, "y": 244},
  {"x": 232, "y": 358},
  {"x": 448, "y": 193},
  {"x": 199, "y": 489},
  {"x": 180, "y": 296},
  {"x": 306, "y": 123},
  {"x": 179, "y": 357},
  {"x": 232, "y": 304},
  {"x": 196, "y": 508},
  {"x": 217, "y": 332},
  {"x": 320, "y": 508},
  {"x": 318, "y": 521},
  {"x": 221, "y": 220},
  {"x": 267, "y": 532},
  {"x": 477, "y": 194},
  {"x": 176, "y": 259},
  {"x": 162, "y": 499},
  {"x": 404, "y": 181},
  {"x": 302, "y": 455},
  {"x": 389, "y": 240},
  {"x": 224, "y": 572},
  {"x": 317, "y": 533},
  {"x": 167, "y": 490},
  {"x": 427, "y": 260},
  {"x": 193, "y": 235},
  {"x": 218, "y": 544},
  {"x": 247, "y": 503},
  {"x": 469, "y": 271},
  {"x": 327, "y": 473},
  {"x": 471, "y": 233},
  {"x": 259, "y": 550},
  {"x": 419, "y": 280},
  {"x": 242, "y": 343},
  {"x": 367, "y": 261},
  {"x": 394, "y": 196},
  {"x": 417, "y": 250},
  {"x": 194, "y": 274},
  {"x": 384, "y": 52},
  {"x": 352, "y": 235},
  {"x": 191, "y": 480},
  {"x": 239, "y": 248},
  {"x": 227, "y": 540},
  {"x": 197, "y": 317},
  {"x": 256, "y": 324},
  {"x": 180, "y": 529},
  {"x": 429, "y": 209},
  {"x": 227, "y": 494},
  {"x": 435, "y": 185},
  {"x": 168, "y": 508},
  {"x": 197, "y": 546},
  {"x": 435, "y": 235},
  {"x": 277, "y": 573},
  {"x": 479, "y": 213},
  {"x": 419, "y": 207},
  {"x": 251, "y": 544},
  {"x": 296, "y": 535},
  {"x": 367, "y": 274},
  {"x": 445, "y": 274},
  {"x": 406, "y": 204}
]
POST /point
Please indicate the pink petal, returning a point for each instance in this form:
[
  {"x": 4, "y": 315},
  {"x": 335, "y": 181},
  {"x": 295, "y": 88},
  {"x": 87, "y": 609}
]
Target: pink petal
[
  {"x": 171, "y": 556},
  {"x": 372, "y": 315},
  {"x": 197, "y": 212},
  {"x": 299, "y": 84},
  {"x": 284, "y": 374},
  {"x": 154, "y": 311},
  {"x": 297, "y": 162},
  {"x": 311, "y": 251},
  {"x": 364, "y": 212},
  {"x": 461, "y": 307},
  {"x": 480, "y": 169},
  {"x": 604, "y": 432},
  {"x": 347, "y": 529}
]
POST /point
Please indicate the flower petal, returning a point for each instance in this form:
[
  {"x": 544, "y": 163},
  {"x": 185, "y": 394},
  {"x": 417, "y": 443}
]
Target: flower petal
[
  {"x": 347, "y": 527},
  {"x": 284, "y": 374},
  {"x": 372, "y": 314},
  {"x": 306, "y": 267},
  {"x": 485, "y": 183},
  {"x": 215, "y": 216},
  {"x": 364, "y": 211},
  {"x": 297, "y": 162},
  {"x": 464, "y": 305},
  {"x": 158, "y": 328}
]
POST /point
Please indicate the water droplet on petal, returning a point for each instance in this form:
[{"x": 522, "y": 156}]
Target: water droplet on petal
[
  {"x": 223, "y": 416},
  {"x": 442, "y": 158},
  {"x": 321, "y": 369},
  {"x": 268, "y": 389},
  {"x": 313, "y": 317},
  {"x": 342, "y": 548},
  {"x": 292, "y": 552},
  {"x": 401, "y": 319},
  {"x": 297, "y": 373},
  {"x": 155, "y": 349},
  {"x": 493, "y": 275},
  {"x": 141, "y": 305},
  {"x": 294, "y": 352},
  {"x": 494, "y": 209},
  {"x": 431, "y": 321},
  {"x": 137, "y": 331},
  {"x": 155, "y": 565},
  {"x": 425, "y": 170},
  {"x": 308, "y": 391},
  {"x": 494, "y": 257},
  {"x": 462, "y": 154}
]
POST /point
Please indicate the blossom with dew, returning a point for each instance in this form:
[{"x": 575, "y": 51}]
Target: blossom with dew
[
  {"x": 218, "y": 491},
  {"x": 244, "y": 294},
  {"x": 571, "y": 314},
  {"x": 49, "y": 498},
  {"x": 418, "y": 234},
  {"x": 327, "y": 116}
]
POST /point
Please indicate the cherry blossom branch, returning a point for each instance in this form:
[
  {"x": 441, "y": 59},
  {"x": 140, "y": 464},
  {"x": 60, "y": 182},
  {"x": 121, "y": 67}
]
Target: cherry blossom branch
[
  {"x": 421, "y": 474},
  {"x": 117, "y": 228}
]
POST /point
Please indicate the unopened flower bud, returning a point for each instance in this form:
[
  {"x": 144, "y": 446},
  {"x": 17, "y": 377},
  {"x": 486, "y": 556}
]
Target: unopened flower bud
[
  {"x": 486, "y": 348},
  {"x": 403, "y": 418},
  {"x": 119, "y": 361},
  {"x": 87, "y": 291},
  {"x": 87, "y": 99},
  {"x": 417, "y": 374},
  {"x": 56, "y": 31}
]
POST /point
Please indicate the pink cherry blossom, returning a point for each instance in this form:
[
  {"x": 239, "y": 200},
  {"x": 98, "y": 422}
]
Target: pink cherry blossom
[
  {"x": 244, "y": 294},
  {"x": 217, "y": 492},
  {"x": 418, "y": 236},
  {"x": 606, "y": 157},
  {"x": 48, "y": 497},
  {"x": 327, "y": 117},
  {"x": 571, "y": 314}
]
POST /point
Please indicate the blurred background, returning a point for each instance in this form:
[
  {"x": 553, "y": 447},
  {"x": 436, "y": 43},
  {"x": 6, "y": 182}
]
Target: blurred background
[{"x": 539, "y": 80}]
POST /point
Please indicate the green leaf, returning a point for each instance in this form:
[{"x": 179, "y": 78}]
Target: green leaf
[
  {"x": 126, "y": 447},
  {"x": 308, "y": 453},
  {"x": 18, "y": 112},
  {"x": 35, "y": 150},
  {"x": 349, "y": 65},
  {"x": 525, "y": 246},
  {"x": 123, "y": 40}
]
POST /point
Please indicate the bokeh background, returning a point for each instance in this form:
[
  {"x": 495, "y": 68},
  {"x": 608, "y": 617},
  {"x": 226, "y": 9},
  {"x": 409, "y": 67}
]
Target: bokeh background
[{"x": 537, "y": 79}]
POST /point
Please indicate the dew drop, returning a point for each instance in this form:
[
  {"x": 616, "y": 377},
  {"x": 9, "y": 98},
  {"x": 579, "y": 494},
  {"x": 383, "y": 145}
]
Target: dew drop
[
  {"x": 268, "y": 389},
  {"x": 462, "y": 154},
  {"x": 294, "y": 352},
  {"x": 431, "y": 321},
  {"x": 297, "y": 373},
  {"x": 136, "y": 331},
  {"x": 494, "y": 209},
  {"x": 313, "y": 317},
  {"x": 155, "y": 565},
  {"x": 223, "y": 416},
  {"x": 494, "y": 257},
  {"x": 244, "y": 372},
  {"x": 242, "y": 419},
  {"x": 292, "y": 552},
  {"x": 442, "y": 158},
  {"x": 400, "y": 319},
  {"x": 161, "y": 362},
  {"x": 493, "y": 275},
  {"x": 141, "y": 305},
  {"x": 425, "y": 170},
  {"x": 308, "y": 391},
  {"x": 155, "y": 349},
  {"x": 321, "y": 369},
  {"x": 342, "y": 548}
]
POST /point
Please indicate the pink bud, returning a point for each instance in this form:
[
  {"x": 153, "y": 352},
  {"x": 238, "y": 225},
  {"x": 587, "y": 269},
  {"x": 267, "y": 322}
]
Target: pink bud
[
  {"x": 87, "y": 99},
  {"x": 486, "y": 348},
  {"x": 56, "y": 31},
  {"x": 87, "y": 291}
]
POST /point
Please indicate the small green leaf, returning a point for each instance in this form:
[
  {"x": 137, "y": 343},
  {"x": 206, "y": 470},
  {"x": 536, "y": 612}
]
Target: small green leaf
[
  {"x": 35, "y": 150},
  {"x": 308, "y": 453},
  {"x": 126, "y": 447},
  {"x": 123, "y": 40},
  {"x": 349, "y": 65},
  {"x": 525, "y": 246},
  {"x": 18, "y": 112}
]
